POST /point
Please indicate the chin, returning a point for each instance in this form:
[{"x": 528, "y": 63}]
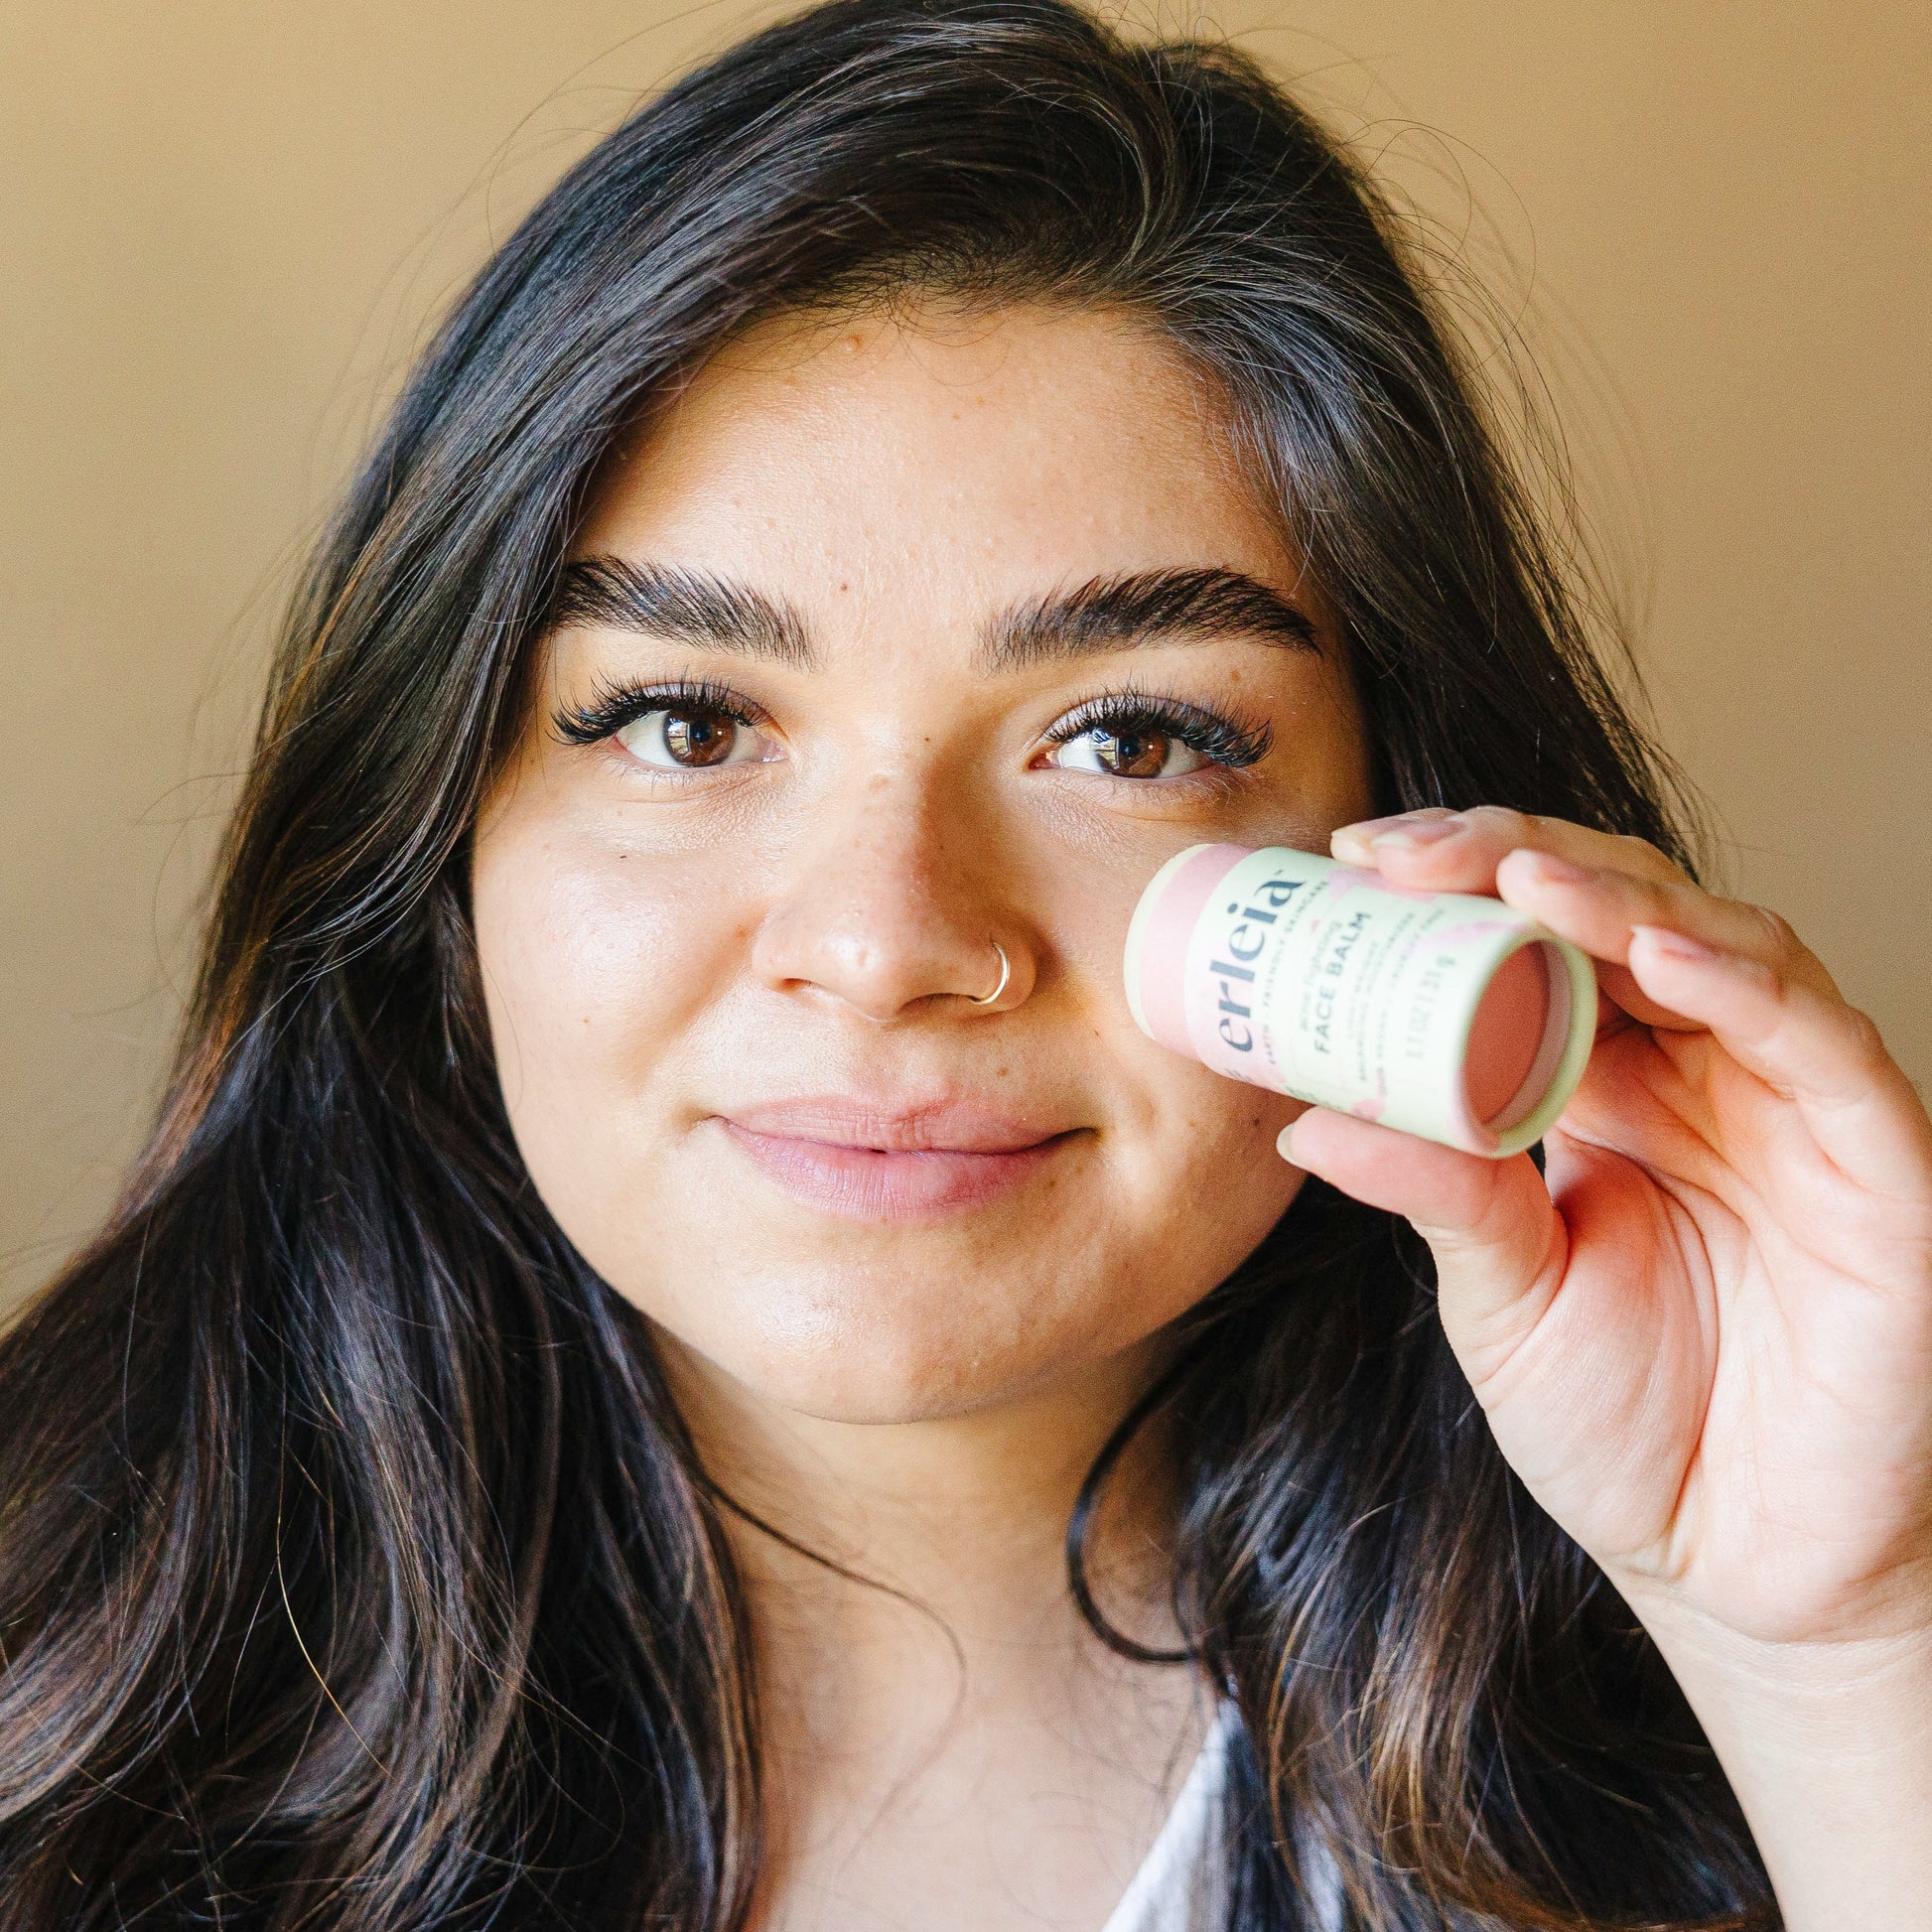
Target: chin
[{"x": 863, "y": 1344}]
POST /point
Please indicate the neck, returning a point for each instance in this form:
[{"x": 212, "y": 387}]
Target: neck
[
  {"x": 936, "y": 1577},
  {"x": 926, "y": 1685}
]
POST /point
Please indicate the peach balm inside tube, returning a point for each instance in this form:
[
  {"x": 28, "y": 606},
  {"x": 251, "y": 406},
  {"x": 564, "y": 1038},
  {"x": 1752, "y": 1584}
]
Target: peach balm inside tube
[{"x": 1442, "y": 1014}]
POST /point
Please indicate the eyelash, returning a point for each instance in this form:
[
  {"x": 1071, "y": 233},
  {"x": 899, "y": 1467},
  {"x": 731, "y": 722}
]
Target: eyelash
[
  {"x": 1223, "y": 740},
  {"x": 617, "y": 704}
]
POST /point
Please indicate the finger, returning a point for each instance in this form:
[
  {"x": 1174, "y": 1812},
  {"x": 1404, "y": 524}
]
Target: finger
[
  {"x": 1362, "y": 833},
  {"x": 1440, "y": 851},
  {"x": 1597, "y": 908},
  {"x": 1498, "y": 1242},
  {"x": 1807, "y": 1043},
  {"x": 1600, "y": 910}
]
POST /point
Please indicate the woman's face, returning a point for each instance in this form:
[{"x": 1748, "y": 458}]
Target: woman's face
[{"x": 894, "y": 643}]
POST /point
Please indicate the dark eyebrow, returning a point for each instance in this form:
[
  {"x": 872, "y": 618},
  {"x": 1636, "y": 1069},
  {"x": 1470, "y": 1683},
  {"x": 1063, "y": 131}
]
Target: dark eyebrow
[
  {"x": 1152, "y": 607},
  {"x": 681, "y": 604}
]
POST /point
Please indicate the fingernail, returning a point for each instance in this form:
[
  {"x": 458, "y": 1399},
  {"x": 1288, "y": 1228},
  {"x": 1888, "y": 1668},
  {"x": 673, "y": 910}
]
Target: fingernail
[
  {"x": 1561, "y": 872},
  {"x": 1368, "y": 827},
  {"x": 1677, "y": 945},
  {"x": 1420, "y": 832}
]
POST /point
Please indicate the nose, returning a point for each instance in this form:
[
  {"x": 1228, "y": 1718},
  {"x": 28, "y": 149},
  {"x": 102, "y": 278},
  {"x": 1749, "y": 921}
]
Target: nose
[{"x": 895, "y": 908}]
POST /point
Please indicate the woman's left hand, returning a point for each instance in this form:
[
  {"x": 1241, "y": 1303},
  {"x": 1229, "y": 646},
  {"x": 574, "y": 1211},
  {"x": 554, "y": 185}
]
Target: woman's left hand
[{"x": 1706, "y": 1346}]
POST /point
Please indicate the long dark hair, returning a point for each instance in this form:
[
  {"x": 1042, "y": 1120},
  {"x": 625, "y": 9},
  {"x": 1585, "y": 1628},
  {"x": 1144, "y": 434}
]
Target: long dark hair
[{"x": 355, "y": 1570}]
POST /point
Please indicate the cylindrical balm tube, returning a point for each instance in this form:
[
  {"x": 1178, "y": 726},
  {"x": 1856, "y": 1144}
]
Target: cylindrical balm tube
[{"x": 1442, "y": 1014}]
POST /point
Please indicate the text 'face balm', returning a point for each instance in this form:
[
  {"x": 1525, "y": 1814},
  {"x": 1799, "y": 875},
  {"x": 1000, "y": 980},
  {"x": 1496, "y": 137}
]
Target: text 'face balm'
[{"x": 1442, "y": 1014}]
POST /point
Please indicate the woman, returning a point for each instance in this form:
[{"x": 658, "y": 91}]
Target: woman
[{"x": 676, "y": 1360}]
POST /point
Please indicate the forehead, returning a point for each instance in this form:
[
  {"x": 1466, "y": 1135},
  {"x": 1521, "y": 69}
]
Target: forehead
[{"x": 970, "y": 457}]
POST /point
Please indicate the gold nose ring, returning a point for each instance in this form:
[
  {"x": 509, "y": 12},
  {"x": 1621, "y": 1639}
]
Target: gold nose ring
[{"x": 1005, "y": 974}]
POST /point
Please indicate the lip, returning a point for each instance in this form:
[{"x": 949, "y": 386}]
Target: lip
[{"x": 891, "y": 1162}]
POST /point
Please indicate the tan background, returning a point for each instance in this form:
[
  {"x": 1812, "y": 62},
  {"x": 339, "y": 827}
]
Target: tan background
[{"x": 223, "y": 227}]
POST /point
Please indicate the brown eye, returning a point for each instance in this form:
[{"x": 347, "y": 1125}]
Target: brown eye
[
  {"x": 1130, "y": 752},
  {"x": 699, "y": 737},
  {"x": 1133, "y": 755},
  {"x": 689, "y": 738}
]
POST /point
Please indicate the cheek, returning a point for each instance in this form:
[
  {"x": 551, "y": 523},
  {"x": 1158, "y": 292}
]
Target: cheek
[
  {"x": 1190, "y": 1181},
  {"x": 595, "y": 960},
  {"x": 1197, "y": 1153},
  {"x": 1195, "y": 1182}
]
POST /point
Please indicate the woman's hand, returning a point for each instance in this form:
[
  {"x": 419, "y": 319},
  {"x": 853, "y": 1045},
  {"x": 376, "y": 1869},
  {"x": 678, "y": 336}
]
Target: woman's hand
[{"x": 1706, "y": 1346}]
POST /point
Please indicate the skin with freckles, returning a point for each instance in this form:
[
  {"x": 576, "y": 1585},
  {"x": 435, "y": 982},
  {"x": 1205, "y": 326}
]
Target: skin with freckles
[
  {"x": 676, "y": 956},
  {"x": 896, "y": 645},
  {"x": 900, "y": 647}
]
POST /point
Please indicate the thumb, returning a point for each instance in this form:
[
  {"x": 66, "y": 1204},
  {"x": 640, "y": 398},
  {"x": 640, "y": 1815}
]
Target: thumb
[{"x": 1499, "y": 1244}]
